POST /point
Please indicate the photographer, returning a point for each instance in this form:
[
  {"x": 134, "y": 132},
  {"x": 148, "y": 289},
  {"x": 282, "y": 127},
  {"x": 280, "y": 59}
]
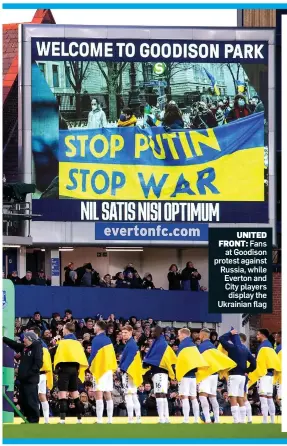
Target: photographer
[
  {"x": 190, "y": 277},
  {"x": 204, "y": 118}
]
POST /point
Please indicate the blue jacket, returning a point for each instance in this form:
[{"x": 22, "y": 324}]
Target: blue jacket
[{"x": 238, "y": 353}]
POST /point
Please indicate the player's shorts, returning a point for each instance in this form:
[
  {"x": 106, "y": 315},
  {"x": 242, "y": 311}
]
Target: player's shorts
[
  {"x": 209, "y": 385},
  {"x": 187, "y": 387},
  {"x": 42, "y": 386},
  {"x": 68, "y": 379},
  {"x": 279, "y": 391},
  {"x": 236, "y": 385},
  {"x": 265, "y": 385},
  {"x": 105, "y": 383},
  {"x": 160, "y": 382},
  {"x": 129, "y": 387}
]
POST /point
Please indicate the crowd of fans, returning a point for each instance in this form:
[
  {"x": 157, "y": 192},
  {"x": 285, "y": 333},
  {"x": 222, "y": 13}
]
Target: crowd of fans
[
  {"x": 86, "y": 276},
  {"x": 52, "y": 332}
]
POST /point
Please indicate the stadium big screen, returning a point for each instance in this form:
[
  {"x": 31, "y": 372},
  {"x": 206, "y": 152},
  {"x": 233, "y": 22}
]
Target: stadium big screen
[{"x": 195, "y": 147}]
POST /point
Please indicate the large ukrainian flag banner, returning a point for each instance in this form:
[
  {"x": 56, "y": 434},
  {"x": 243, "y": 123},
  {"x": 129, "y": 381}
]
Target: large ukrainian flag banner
[
  {"x": 103, "y": 357},
  {"x": 188, "y": 358},
  {"x": 266, "y": 359},
  {"x": 70, "y": 350},
  {"x": 161, "y": 355},
  {"x": 278, "y": 375},
  {"x": 131, "y": 362},
  {"x": 225, "y": 163}
]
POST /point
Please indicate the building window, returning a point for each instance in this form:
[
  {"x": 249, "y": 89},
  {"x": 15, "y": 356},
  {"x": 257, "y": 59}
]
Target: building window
[
  {"x": 42, "y": 69},
  {"x": 67, "y": 74},
  {"x": 55, "y": 70}
]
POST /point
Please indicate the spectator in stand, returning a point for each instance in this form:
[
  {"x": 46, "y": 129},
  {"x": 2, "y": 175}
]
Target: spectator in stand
[
  {"x": 37, "y": 321},
  {"x": 106, "y": 281},
  {"x": 118, "y": 399},
  {"x": 190, "y": 278},
  {"x": 54, "y": 322},
  {"x": 41, "y": 279},
  {"x": 120, "y": 281},
  {"x": 142, "y": 395},
  {"x": 84, "y": 275},
  {"x": 68, "y": 316},
  {"x": 174, "y": 278},
  {"x": 70, "y": 275},
  {"x": 88, "y": 328},
  {"x": 111, "y": 332},
  {"x": 137, "y": 281},
  {"x": 129, "y": 269},
  {"x": 132, "y": 321},
  {"x": 147, "y": 282},
  {"x": 14, "y": 278},
  {"x": 119, "y": 345},
  {"x": 214, "y": 338},
  {"x": 226, "y": 406},
  {"x": 87, "y": 407},
  {"x": 28, "y": 279}
]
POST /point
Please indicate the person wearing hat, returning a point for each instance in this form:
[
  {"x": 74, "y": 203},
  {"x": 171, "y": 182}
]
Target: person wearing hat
[
  {"x": 30, "y": 365},
  {"x": 41, "y": 279}
]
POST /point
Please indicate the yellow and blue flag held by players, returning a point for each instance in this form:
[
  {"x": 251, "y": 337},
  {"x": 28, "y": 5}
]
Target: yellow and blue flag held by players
[
  {"x": 131, "y": 362},
  {"x": 103, "y": 357},
  {"x": 71, "y": 350},
  {"x": 278, "y": 374},
  {"x": 224, "y": 163},
  {"x": 161, "y": 355},
  {"x": 188, "y": 358},
  {"x": 266, "y": 359},
  {"x": 218, "y": 362},
  {"x": 47, "y": 366}
]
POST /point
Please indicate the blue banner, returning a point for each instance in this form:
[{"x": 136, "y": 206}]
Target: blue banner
[
  {"x": 55, "y": 266},
  {"x": 151, "y": 231},
  {"x": 149, "y": 50},
  {"x": 88, "y": 302}
]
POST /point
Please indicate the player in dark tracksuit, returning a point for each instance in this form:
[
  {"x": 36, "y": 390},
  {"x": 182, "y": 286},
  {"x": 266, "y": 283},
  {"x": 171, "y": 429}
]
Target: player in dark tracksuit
[
  {"x": 28, "y": 373},
  {"x": 237, "y": 377}
]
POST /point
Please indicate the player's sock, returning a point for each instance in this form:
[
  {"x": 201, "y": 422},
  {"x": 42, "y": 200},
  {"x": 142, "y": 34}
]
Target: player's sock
[
  {"x": 99, "y": 410},
  {"x": 235, "y": 414},
  {"x": 63, "y": 403},
  {"x": 242, "y": 414},
  {"x": 45, "y": 408},
  {"x": 264, "y": 409},
  {"x": 160, "y": 409},
  {"x": 205, "y": 408},
  {"x": 137, "y": 406},
  {"x": 130, "y": 407},
  {"x": 110, "y": 410},
  {"x": 78, "y": 408},
  {"x": 185, "y": 410},
  {"x": 215, "y": 408},
  {"x": 165, "y": 409},
  {"x": 195, "y": 409},
  {"x": 248, "y": 411},
  {"x": 272, "y": 410}
]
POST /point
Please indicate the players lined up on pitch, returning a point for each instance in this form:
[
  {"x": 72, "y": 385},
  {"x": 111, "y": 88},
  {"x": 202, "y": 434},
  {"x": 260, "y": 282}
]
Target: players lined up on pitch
[{"x": 197, "y": 368}]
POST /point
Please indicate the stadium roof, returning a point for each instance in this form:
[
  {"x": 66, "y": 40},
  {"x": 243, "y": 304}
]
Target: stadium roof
[{"x": 10, "y": 48}]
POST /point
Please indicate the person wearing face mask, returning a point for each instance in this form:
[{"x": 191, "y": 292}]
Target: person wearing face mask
[
  {"x": 257, "y": 104},
  {"x": 240, "y": 110},
  {"x": 127, "y": 118},
  {"x": 97, "y": 117}
]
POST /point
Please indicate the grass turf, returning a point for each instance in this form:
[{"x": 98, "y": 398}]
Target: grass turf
[{"x": 151, "y": 431}]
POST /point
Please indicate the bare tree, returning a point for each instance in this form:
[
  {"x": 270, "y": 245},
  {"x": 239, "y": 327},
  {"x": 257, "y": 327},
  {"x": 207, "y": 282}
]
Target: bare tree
[
  {"x": 234, "y": 69},
  {"x": 112, "y": 73},
  {"x": 76, "y": 73}
]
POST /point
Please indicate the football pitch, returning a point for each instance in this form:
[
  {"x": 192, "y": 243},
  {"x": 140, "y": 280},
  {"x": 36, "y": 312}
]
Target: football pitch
[{"x": 146, "y": 432}]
